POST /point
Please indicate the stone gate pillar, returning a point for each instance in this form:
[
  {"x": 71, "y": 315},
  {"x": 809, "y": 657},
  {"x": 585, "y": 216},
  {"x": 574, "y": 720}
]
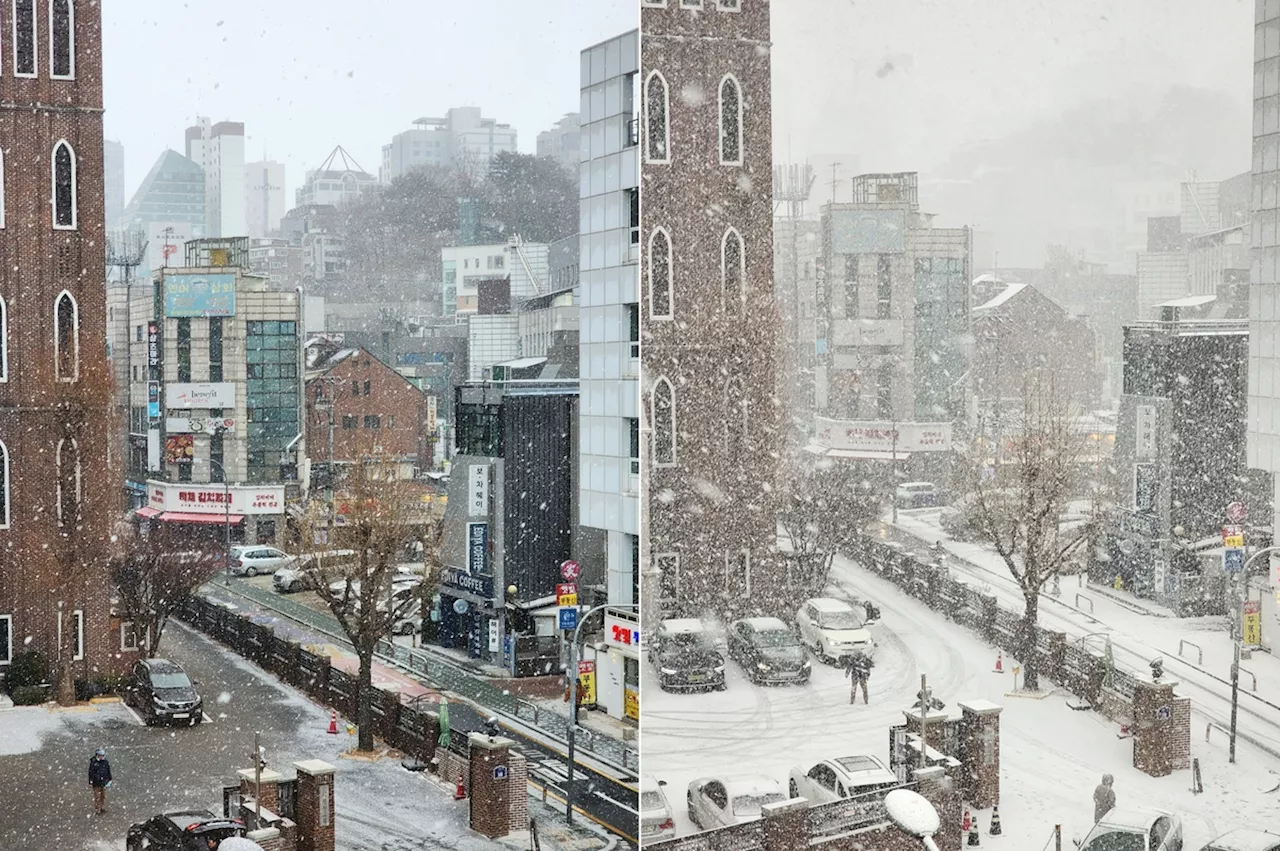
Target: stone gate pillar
[
  {"x": 1154, "y": 733},
  {"x": 490, "y": 786},
  {"x": 980, "y": 752},
  {"x": 315, "y": 805}
]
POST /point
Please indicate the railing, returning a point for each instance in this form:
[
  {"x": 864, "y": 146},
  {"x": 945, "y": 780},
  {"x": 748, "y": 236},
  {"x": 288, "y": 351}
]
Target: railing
[
  {"x": 1182, "y": 642},
  {"x": 1082, "y": 598},
  {"x": 1251, "y": 674}
]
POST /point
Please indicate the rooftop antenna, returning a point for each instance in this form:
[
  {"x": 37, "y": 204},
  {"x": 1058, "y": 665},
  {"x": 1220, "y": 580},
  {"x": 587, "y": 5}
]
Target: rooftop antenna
[
  {"x": 834, "y": 181},
  {"x": 791, "y": 186},
  {"x": 126, "y": 251}
]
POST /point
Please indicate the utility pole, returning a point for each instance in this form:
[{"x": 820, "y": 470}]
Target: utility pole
[
  {"x": 257, "y": 782},
  {"x": 925, "y": 699},
  {"x": 1235, "y": 699},
  {"x": 834, "y": 181},
  {"x": 893, "y": 487}
]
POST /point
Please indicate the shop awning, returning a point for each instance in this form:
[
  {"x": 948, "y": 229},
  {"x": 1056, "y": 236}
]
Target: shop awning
[
  {"x": 859, "y": 454},
  {"x": 146, "y": 513},
  {"x": 206, "y": 519}
]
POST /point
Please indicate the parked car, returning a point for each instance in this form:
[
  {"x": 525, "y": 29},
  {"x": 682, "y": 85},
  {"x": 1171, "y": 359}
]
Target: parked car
[
  {"x": 1134, "y": 829},
  {"x": 768, "y": 651},
  {"x": 190, "y": 830},
  {"x": 724, "y": 801},
  {"x": 916, "y": 495},
  {"x": 685, "y": 655},
  {"x": 833, "y": 629},
  {"x": 162, "y": 691},
  {"x": 287, "y": 580},
  {"x": 656, "y": 820},
  {"x": 839, "y": 778},
  {"x": 1245, "y": 839},
  {"x": 256, "y": 560}
]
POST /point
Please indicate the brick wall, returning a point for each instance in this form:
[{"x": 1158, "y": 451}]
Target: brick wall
[
  {"x": 1180, "y": 740},
  {"x": 400, "y": 407},
  {"x": 315, "y": 821},
  {"x": 519, "y": 779},
  {"x": 453, "y": 768}
]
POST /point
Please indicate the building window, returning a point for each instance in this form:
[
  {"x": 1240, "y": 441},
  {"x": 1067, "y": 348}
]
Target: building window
[
  {"x": 6, "y": 639},
  {"x": 77, "y": 619},
  {"x": 4, "y": 341},
  {"x": 215, "y": 348},
  {"x": 633, "y": 199},
  {"x": 733, "y": 277},
  {"x": 852, "y": 308},
  {"x": 372, "y": 421},
  {"x": 129, "y": 638},
  {"x": 24, "y": 38},
  {"x": 730, "y": 121},
  {"x": 64, "y": 187},
  {"x": 654, "y": 4},
  {"x": 355, "y": 388},
  {"x": 661, "y": 290},
  {"x": 633, "y": 329},
  {"x": 368, "y": 385},
  {"x": 62, "y": 39},
  {"x": 4, "y": 486},
  {"x": 668, "y": 565},
  {"x": 633, "y": 433},
  {"x": 664, "y": 424},
  {"x": 657, "y": 119},
  {"x": 184, "y": 350},
  {"x": 69, "y": 488},
  {"x": 729, "y": 5},
  {"x": 690, "y": 4},
  {"x": 884, "y": 392},
  {"x": 884, "y": 286},
  {"x": 349, "y": 421},
  {"x": 217, "y": 457},
  {"x": 66, "y": 337}
]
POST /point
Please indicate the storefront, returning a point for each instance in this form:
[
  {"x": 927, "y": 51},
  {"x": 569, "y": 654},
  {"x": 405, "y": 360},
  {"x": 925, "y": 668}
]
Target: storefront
[
  {"x": 254, "y": 513},
  {"x": 617, "y": 670},
  {"x": 467, "y": 617}
]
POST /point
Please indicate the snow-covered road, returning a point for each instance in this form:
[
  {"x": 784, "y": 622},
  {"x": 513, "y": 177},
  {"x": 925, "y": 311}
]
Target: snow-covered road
[{"x": 1051, "y": 756}]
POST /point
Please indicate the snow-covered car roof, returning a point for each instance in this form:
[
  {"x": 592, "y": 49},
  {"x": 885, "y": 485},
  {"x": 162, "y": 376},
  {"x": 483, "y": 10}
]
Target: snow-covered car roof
[
  {"x": 1245, "y": 839},
  {"x": 683, "y": 625},
  {"x": 763, "y": 624},
  {"x": 829, "y": 604},
  {"x": 745, "y": 784},
  {"x": 1134, "y": 818},
  {"x": 864, "y": 769},
  {"x": 649, "y": 783}
]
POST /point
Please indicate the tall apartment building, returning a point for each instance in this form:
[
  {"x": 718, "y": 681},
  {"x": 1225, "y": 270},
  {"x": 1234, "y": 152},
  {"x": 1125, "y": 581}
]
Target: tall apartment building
[
  {"x": 168, "y": 207},
  {"x": 219, "y": 150},
  {"x": 1264, "y": 296},
  {"x": 462, "y": 136},
  {"x": 563, "y": 141},
  {"x": 55, "y": 515},
  {"x": 264, "y": 198},
  {"x": 710, "y": 322},
  {"x": 113, "y": 177}
]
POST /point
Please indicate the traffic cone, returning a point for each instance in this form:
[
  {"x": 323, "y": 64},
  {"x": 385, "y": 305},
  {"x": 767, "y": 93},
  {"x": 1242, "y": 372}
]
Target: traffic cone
[
  {"x": 999, "y": 662},
  {"x": 967, "y": 823},
  {"x": 333, "y": 723},
  {"x": 974, "y": 839},
  {"x": 459, "y": 792},
  {"x": 995, "y": 821}
]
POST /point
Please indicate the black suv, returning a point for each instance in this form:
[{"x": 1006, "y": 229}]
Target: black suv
[
  {"x": 162, "y": 691},
  {"x": 190, "y": 830},
  {"x": 685, "y": 656}
]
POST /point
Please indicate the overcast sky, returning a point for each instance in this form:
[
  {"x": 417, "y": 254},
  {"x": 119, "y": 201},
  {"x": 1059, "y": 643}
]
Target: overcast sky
[
  {"x": 306, "y": 75},
  {"x": 898, "y": 84}
]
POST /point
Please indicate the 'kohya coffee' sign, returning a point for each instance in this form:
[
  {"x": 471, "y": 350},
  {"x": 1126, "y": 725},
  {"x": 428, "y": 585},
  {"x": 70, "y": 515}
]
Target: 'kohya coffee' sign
[{"x": 212, "y": 499}]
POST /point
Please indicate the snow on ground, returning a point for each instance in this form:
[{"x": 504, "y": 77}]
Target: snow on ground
[{"x": 1051, "y": 756}]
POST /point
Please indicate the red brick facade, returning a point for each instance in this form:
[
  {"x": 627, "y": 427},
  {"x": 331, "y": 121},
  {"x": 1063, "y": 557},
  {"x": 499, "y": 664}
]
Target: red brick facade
[
  {"x": 710, "y": 522},
  {"x": 373, "y": 406},
  {"x": 46, "y": 564}
]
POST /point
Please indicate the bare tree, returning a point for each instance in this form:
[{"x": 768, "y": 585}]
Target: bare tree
[
  {"x": 822, "y": 507},
  {"x": 1018, "y": 507},
  {"x": 153, "y": 576},
  {"x": 351, "y": 553}
]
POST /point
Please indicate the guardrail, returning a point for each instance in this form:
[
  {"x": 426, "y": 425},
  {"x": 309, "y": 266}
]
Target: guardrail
[
  {"x": 1082, "y": 598},
  {"x": 1251, "y": 674},
  {"x": 1182, "y": 642}
]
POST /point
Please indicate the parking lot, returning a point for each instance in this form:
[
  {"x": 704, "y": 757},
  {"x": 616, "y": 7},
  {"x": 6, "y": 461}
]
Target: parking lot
[{"x": 44, "y": 760}]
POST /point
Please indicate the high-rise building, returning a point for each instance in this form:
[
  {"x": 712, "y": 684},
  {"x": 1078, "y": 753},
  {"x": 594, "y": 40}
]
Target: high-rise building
[
  {"x": 265, "y": 197},
  {"x": 55, "y": 515},
  {"x": 113, "y": 177},
  {"x": 1264, "y": 296},
  {"x": 461, "y": 137},
  {"x": 710, "y": 321},
  {"x": 219, "y": 150},
  {"x": 168, "y": 207},
  {"x": 338, "y": 179},
  {"x": 562, "y": 142}
]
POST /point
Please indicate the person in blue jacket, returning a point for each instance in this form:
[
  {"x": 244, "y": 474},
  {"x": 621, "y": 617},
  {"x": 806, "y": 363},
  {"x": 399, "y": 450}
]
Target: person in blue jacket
[{"x": 99, "y": 780}]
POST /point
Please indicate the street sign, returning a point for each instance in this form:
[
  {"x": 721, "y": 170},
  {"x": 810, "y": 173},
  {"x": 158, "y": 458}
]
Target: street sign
[
  {"x": 499, "y": 772},
  {"x": 568, "y": 618},
  {"x": 566, "y": 588},
  {"x": 570, "y": 570},
  {"x": 1233, "y": 536},
  {"x": 1233, "y": 560},
  {"x": 1236, "y": 512},
  {"x": 1164, "y": 713},
  {"x": 1252, "y": 631}
]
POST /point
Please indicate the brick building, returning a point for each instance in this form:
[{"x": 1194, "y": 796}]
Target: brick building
[
  {"x": 356, "y": 403},
  {"x": 54, "y": 379},
  {"x": 710, "y": 322}
]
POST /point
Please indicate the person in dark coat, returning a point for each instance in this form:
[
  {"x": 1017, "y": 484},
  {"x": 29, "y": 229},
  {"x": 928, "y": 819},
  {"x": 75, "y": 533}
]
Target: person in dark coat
[
  {"x": 858, "y": 670},
  {"x": 1104, "y": 798},
  {"x": 99, "y": 780}
]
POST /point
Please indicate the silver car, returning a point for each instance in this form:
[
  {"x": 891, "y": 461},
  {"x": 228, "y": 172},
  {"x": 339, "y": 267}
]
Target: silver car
[
  {"x": 258, "y": 560},
  {"x": 656, "y": 820},
  {"x": 724, "y": 801}
]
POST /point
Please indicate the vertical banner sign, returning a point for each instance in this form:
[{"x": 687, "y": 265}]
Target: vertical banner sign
[
  {"x": 1252, "y": 622},
  {"x": 495, "y": 637},
  {"x": 478, "y": 490},
  {"x": 478, "y": 549},
  {"x": 431, "y": 414},
  {"x": 1145, "y": 441},
  {"x": 153, "y": 400},
  {"x": 153, "y": 345},
  {"x": 587, "y": 681}
]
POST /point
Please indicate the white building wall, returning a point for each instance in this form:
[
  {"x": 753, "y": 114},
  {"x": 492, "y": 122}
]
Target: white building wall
[
  {"x": 471, "y": 263},
  {"x": 610, "y": 395},
  {"x": 1264, "y": 289},
  {"x": 264, "y": 197},
  {"x": 1162, "y": 276},
  {"x": 491, "y": 340},
  {"x": 530, "y": 267}
]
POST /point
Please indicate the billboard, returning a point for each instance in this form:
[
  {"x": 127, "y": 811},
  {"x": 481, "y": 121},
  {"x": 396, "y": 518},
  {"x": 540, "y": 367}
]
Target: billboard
[
  {"x": 868, "y": 232},
  {"x": 165, "y": 241},
  {"x": 887, "y": 437},
  {"x": 186, "y": 396},
  {"x": 179, "y": 448},
  {"x": 153, "y": 345},
  {"x": 200, "y": 295},
  {"x": 212, "y": 498}
]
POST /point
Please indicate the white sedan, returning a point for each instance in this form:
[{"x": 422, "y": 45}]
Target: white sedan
[
  {"x": 839, "y": 778},
  {"x": 1135, "y": 829},
  {"x": 723, "y": 801},
  {"x": 254, "y": 561},
  {"x": 833, "y": 629}
]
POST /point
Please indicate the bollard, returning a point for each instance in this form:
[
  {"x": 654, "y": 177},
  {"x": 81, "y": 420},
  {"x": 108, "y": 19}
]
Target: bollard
[{"x": 1196, "y": 786}]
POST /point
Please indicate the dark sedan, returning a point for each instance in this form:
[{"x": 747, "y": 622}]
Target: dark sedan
[
  {"x": 162, "y": 691},
  {"x": 191, "y": 830},
  {"x": 768, "y": 651},
  {"x": 686, "y": 656}
]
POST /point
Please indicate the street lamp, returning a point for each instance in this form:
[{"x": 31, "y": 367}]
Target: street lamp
[
  {"x": 226, "y": 505},
  {"x": 573, "y": 696}
]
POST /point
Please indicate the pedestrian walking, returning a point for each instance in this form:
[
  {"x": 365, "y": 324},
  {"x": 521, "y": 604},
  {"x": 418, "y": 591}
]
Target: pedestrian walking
[
  {"x": 1104, "y": 798},
  {"x": 858, "y": 670},
  {"x": 99, "y": 779}
]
